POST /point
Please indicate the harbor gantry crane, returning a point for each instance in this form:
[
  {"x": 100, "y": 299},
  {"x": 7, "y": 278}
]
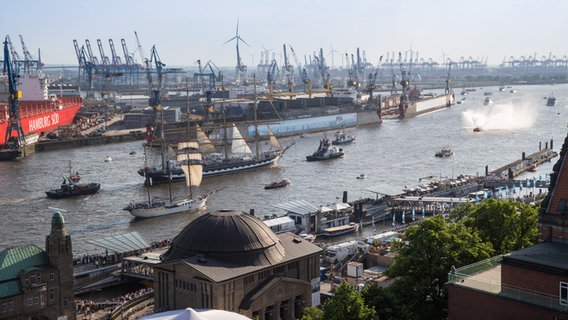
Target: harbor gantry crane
[
  {"x": 371, "y": 85},
  {"x": 14, "y": 141},
  {"x": 15, "y": 57},
  {"x": 324, "y": 72},
  {"x": 405, "y": 84},
  {"x": 289, "y": 72},
  {"x": 241, "y": 68},
  {"x": 211, "y": 76},
  {"x": 448, "y": 89},
  {"x": 271, "y": 77}
]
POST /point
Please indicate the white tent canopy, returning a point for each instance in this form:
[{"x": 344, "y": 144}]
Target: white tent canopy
[{"x": 196, "y": 314}]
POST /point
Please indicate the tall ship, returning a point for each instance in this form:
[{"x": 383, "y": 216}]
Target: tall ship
[{"x": 235, "y": 156}]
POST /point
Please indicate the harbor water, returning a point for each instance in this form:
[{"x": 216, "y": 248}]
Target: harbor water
[{"x": 396, "y": 152}]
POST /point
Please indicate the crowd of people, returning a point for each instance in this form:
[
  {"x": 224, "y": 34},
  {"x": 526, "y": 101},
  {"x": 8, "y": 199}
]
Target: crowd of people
[
  {"x": 104, "y": 259},
  {"x": 86, "y": 307}
]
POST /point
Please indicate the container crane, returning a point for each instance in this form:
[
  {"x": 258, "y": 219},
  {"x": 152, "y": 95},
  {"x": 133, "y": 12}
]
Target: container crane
[
  {"x": 116, "y": 60},
  {"x": 128, "y": 59},
  {"x": 104, "y": 59},
  {"x": 29, "y": 61}
]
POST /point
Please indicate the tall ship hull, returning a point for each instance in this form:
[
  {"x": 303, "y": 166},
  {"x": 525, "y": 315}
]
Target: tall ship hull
[
  {"x": 158, "y": 175},
  {"x": 151, "y": 210},
  {"x": 42, "y": 116}
]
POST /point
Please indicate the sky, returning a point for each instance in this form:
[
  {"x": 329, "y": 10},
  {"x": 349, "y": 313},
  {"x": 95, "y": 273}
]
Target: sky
[{"x": 184, "y": 31}]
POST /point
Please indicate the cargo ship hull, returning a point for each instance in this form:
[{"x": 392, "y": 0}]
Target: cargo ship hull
[{"x": 41, "y": 116}]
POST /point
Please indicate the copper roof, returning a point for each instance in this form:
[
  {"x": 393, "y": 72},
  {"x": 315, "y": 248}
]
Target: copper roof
[
  {"x": 230, "y": 236},
  {"x": 13, "y": 261}
]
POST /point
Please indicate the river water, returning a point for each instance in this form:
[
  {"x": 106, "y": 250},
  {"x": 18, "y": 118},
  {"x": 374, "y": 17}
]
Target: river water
[{"x": 396, "y": 152}]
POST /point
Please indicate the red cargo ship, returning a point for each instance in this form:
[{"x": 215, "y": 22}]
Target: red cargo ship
[{"x": 39, "y": 111}]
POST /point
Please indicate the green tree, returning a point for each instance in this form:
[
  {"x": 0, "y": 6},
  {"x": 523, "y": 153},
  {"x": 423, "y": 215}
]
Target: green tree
[
  {"x": 347, "y": 304},
  {"x": 425, "y": 255},
  {"x": 384, "y": 301},
  {"x": 507, "y": 225},
  {"x": 312, "y": 313}
]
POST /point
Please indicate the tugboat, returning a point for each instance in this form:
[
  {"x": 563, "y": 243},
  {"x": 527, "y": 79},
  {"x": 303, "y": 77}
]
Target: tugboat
[
  {"x": 325, "y": 151},
  {"x": 71, "y": 187}
]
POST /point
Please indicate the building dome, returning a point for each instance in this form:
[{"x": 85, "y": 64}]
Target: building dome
[{"x": 228, "y": 236}]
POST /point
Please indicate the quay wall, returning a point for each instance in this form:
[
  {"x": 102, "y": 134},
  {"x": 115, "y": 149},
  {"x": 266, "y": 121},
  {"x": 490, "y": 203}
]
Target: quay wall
[{"x": 89, "y": 141}]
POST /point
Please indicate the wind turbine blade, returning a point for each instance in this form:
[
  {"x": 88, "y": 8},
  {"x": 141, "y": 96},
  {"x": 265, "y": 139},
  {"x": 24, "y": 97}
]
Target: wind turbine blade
[
  {"x": 233, "y": 38},
  {"x": 239, "y": 37}
]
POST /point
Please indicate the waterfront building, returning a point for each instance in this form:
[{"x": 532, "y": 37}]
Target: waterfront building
[
  {"x": 531, "y": 283},
  {"x": 232, "y": 261},
  {"x": 37, "y": 284}
]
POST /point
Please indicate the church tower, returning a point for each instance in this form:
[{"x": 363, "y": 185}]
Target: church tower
[{"x": 60, "y": 253}]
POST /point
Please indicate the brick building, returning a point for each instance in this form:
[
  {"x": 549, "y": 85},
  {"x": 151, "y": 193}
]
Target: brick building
[
  {"x": 37, "y": 284},
  {"x": 232, "y": 261},
  {"x": 530, "y": 283}
]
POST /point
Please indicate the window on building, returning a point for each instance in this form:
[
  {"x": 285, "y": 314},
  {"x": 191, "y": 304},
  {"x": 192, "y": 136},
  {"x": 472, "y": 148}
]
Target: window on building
[
  {"x": 51, "y": 276},
  {"x": 42, "y": 297},
  {"x": 52, "y": 294},
  {"x": 65, "y": 302},
  {"x": 562, "y": 205},
  {"x": 30, "y": 301},
  {"x": 36, "y": 300},
  {"x": 4, "y": 307},
  {"x": 11, "y": 306},
  {"x": 564, "y": 293}
]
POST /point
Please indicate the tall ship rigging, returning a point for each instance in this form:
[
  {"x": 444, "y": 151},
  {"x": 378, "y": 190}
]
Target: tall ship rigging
[{"x": 235, "y": 155}]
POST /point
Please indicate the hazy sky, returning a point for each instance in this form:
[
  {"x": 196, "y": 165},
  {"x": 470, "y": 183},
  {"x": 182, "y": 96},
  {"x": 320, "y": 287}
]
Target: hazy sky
[{"x": 187, "y": 30}]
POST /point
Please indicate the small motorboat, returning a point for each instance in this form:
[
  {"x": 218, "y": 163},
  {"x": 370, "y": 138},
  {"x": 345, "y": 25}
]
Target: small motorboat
[
  {"x": 444, "y": 153},
  {"x": 343, "y": 138},
  {"x": 476, "y": 129},
  {"x": 278, "y": 184},
  {"x": 108, "y": 159},
  {"x": 361, "y": 176},
  {"x": 532, "y": 168}
]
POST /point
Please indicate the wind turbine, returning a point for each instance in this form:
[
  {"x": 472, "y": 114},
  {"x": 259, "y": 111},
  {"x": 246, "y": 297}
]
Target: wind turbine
[
  {"x": 240, "y": 69},
  {"x": 332, "y": 52}
]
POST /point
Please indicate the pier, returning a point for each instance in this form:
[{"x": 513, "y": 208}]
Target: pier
[{"x": 526, "y": 163}]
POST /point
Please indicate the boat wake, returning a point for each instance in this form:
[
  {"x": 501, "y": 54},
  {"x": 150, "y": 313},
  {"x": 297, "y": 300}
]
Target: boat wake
[
  {"x": 500, "y": 117},
  {"x": 13, "y": 201}
]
